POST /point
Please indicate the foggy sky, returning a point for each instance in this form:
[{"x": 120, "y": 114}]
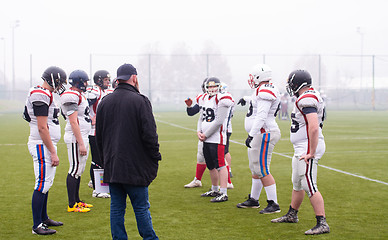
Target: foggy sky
[{"x": 65, "y": 32}]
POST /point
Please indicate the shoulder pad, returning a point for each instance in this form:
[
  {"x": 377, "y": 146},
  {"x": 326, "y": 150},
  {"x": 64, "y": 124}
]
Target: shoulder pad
[
  {"x": 38, "y": 94},
  {"x": 69, "y": 97},
  {"x": 225, "y": 99},
  {"x": 92, "y": 93},
  {"x": 308, "y": 99},
  {"x": 267, "y": 92}
]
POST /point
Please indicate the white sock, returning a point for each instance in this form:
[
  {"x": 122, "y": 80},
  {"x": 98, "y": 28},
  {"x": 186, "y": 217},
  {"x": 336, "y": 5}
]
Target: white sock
[
  {"x": 271, "y": 193},
  {"x": 215, "y": 188},
  {"x": 257, "y": 185},
  {"x": 224, "y": 191}
]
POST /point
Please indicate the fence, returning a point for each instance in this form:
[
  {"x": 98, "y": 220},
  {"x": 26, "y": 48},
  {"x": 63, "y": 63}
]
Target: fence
[{"x": 355, "y": 82}]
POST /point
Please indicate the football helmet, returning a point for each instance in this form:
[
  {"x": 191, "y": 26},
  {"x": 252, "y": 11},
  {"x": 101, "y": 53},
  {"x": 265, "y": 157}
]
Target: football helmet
[
  {"x": 115, "y": 83},
  {"x": 224, "y": 87},
  {"x": 99, "y": 77},
  {"x": 297, "y": 80},
  {"x": 259, "y": 73},
  {"x": 56, "y": 78},
  {"x": 203, "y": 85},
  {"x": 78, "y": 79},
  {"x": 212, "y": 86}
]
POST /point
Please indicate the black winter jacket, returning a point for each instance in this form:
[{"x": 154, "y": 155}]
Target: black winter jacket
[{"x": 126, "y": 137}]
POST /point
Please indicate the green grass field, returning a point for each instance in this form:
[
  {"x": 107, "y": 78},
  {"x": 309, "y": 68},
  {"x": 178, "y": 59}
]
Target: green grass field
[{"x": 356, "y": 208}]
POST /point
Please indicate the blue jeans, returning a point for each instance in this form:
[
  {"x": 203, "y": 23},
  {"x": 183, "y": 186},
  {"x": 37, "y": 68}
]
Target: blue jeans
[{"x": 140, "y": 204}]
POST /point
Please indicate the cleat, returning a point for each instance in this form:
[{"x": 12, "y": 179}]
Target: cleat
[
  {"x": 230, "y": 186},
  {"x": 84, "y": 205},
  {"x": 43, "y": 230},
  {"x": 211, "y": 193},
  {"x": 100, "y": 195},
  {"x": 290, "y": 217},
  {"x": 272, "y": 207},
  {"x": 221, "y": 198},
  {"x": 320, "y": 228},
  {"x": 77, "y": 208},
  {"x": 90, "y": 184},
  {"x": 49, "y": 222},
  {"x": 249, "y": 203},
  {"x": 194, "y": 183}
]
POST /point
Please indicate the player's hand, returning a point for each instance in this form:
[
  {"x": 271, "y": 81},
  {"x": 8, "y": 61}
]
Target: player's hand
[
  {"x": 242, "y": 102},
  {"x": 54, "y": 160},
  {"x": 188, "y": 102},
  {"x": 201, "y": 136},
  {"x": 306, "y": 158},
  {"x": 248, "y": 141},
  {"x": 82, "y": 150}
]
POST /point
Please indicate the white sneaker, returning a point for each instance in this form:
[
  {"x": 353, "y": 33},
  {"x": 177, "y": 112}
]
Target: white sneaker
[
  {"x": 100, "y": 195},
  {"x": 90, "y": 184},
  {"x": 230, "y": 186},
  {"x": 194, "y": 183}
]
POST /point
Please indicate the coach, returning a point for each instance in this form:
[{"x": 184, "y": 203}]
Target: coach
[{"x": 128, "y": 143}]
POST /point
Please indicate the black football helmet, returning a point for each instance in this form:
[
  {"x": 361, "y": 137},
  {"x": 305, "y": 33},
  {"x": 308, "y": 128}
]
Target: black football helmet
[
  {"x": 56, "y": 78},
  {"x": 203, "y": 85},
  {"x": 78, "y": 79},
  {"x": 297, "y": 80},
  {"x": 213, "y": 82},
  {"x": 115, "y": 83},
  {"x": 99, "y": 77}
]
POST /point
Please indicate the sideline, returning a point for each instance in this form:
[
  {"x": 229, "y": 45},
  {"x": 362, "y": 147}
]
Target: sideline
[{"x": 286, "y": 156}]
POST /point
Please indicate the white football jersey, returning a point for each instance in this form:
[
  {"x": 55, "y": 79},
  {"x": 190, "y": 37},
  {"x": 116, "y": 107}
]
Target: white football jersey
[
  {"x": 109, "y": 90},
  {"x": 263, "y": 107},
  {"x": 299, "y": 132},
  {"x": 209, "y": 109},
  {"x": 94, "y": 94},
  {"x": 74, "y": 97},
  {"x": 40, "y": 94}
]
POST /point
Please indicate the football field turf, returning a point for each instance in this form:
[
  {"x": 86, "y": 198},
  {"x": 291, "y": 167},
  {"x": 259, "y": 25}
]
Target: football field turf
[{"x": 352, "y": 177}]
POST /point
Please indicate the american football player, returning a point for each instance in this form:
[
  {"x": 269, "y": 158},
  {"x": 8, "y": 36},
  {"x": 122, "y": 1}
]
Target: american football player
[
  {"x": 75, "y": 109},
  {"x": 211, "y": 130},
  {"x": 309, "y": 146},
  {"x": 263, "y": 134},
  {"x": 94, "y": 95},
  {"x": 193, "y": 109},
  {"x": 41, "y": 112}
]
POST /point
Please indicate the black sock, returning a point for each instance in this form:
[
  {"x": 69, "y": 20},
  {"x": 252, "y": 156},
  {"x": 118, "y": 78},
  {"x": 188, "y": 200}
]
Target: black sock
[
  {"x": 320, "y": 219},
  {"x": 77, "y": 192},
  {"x": 71, "y": 183},
  {"x": 37, "y": 206},
  {"x": 44, "y": 210}
]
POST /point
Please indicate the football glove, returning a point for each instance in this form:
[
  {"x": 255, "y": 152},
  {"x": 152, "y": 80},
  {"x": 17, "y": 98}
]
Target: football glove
[
  {"x": 248, "y": 141},
  {"x": 188, "y": 102},
  {"x": 242, "y": 102}
]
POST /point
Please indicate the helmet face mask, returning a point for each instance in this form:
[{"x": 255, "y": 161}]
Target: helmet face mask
[
  {"x": 55, "y": 78},
  {"x": 212, "y": 86},
  {"x": 79, "y": 79},
  {"x": 102, "y": 79},
  {"x": 296, "y": 81},
  {"x": 260, "y": 73}
]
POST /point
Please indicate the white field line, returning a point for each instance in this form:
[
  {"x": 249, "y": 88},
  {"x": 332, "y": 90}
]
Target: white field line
[{"x": 287, "y": 156}]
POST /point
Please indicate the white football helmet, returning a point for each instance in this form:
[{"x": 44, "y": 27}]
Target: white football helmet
[
  {"x": 212, "y": 86},
  {"x": 259, "y": 73},
  {"x": 224, "y": 87}
]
